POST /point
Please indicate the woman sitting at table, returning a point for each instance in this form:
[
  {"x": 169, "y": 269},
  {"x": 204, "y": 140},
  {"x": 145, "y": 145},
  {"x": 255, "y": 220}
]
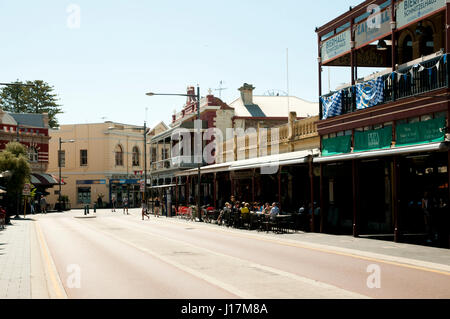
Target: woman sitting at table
[{"x": 245, "y": 208}]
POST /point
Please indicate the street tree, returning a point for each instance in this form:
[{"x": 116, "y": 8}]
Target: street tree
[
  {"x": 14, "y": 159},
  {"x": 37, "y": 97}
]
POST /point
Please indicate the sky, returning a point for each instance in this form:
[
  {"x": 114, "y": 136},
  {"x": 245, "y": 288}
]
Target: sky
[{"x": 102, "y": 56}]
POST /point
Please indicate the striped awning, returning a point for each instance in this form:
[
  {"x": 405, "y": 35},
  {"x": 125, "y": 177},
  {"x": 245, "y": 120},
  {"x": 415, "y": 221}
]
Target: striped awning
[{"x": 40, "y": 179}]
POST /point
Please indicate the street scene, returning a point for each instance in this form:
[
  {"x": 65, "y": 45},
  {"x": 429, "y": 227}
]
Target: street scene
[{"x": 305, "y": 158}]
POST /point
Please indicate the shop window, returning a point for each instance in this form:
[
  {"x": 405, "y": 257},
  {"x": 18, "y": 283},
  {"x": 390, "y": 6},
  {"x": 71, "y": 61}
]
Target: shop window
[
  {"x": 325, "y": 137},
  {"x": 443, "y": 170},
  {"x": 440, "y": 115},
  {"x": 84, "y": 195},
  {"x": 368, "y": 128},
  {"x": 388, "y": 124},
  {"x": 119, "y": 155},
  {"x": 136, "y": 155},
  {"x": 378, "y": 126},
  {"x": 359, "y": 129},
  {"x": 427, "y": 42},
  {"x": 340, "y": 134},
  {"x": 332, "y": 135},
  {"x": 348, "y": 133},
  {"x": 414, "y": 120}
]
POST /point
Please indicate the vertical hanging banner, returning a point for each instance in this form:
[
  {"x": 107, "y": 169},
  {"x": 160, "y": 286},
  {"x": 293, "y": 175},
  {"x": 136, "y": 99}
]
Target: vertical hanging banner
[
  {"x": 410, "y": 11},
  {"x": 336, "y": 46},
  {"x": 376, "y": 27}
]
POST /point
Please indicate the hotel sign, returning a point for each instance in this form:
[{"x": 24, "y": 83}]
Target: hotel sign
[
  {"x": 410, "y": 11},
  {"x": 336, "y": 46},
  {"x": 374, "y": 28}
]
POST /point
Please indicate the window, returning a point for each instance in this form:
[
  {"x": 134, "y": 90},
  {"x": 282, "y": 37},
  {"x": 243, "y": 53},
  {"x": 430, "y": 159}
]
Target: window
[
  {"x": 62, "y": 158},
  {"x": 33, "y": 155},
  {"x": 84, "y": 195},
  {"x": 83, "y": 157},
  {"x": 119, "y": 155},
  {"x": 136, "y": 155}
]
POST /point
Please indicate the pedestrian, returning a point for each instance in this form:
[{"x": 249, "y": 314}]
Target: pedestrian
[
  {"x": 32, "y": 207},
  {"x": 145, "y": 210},
  {"x": 157, "y": 207},
  {"x": 125, "y": 206},
  {"x": 113, "y": 203},
  {"x": 426, "y": 206},
  {"x": 43, "y": 205}
]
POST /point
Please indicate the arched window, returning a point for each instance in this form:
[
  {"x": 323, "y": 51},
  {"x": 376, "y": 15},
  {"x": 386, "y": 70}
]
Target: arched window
[
  {"x": 33, "y": 155},
  {"x": 136, "y": 155},
  {"x": 427, "y": 42},
  {"x": 407, "y": 49},
  {"x": 119, "y": 155}
]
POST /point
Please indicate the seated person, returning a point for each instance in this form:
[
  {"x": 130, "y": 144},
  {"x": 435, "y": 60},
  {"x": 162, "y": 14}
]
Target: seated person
[
  {"x": 245, "y": 209},
  {"x": 275, "y": 211}
]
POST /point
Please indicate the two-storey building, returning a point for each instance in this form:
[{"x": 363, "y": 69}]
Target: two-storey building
[{"x": 384, "y": 138}]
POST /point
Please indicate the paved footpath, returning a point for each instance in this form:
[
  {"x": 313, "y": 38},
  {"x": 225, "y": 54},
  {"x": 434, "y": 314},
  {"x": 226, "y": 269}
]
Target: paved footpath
[{"x": 26, "y": 268}]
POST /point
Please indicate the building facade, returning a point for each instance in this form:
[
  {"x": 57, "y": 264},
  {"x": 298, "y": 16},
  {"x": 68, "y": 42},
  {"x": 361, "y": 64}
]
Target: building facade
[
  {"x": 99, "y": 163},
  {"x": 384, "y": 162},
  {"x": 32, "y": 131}
]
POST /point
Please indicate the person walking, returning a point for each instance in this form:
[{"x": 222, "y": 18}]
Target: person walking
[
  {"x": 113, "y": 203},
  {"x": 125, "y": 206},
  {"x": 145, "y": 211},
  {"x": 43, "y": 205},
  {"x": 32, "y": 207},
  {"x": 157, "y": 207}
]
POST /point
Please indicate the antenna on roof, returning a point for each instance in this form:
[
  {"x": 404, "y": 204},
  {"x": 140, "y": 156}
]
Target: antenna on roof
[{"x": 220, "y": 89}]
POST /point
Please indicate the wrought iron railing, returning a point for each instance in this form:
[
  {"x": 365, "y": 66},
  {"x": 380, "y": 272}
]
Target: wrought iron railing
[{"x": 406, "y": 82}]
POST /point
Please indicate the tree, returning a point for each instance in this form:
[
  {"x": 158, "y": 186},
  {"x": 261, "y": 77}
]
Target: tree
[
  {"x": 14, "y": 159},
  {"x": 38, "y": 98}
]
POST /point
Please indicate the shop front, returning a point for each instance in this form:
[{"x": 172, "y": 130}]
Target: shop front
[{"x": 125, "y": 188}]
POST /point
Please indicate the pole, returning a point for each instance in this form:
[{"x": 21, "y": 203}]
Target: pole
[
  {"x": 199, "y": 183},
  {"x": 145, "y": 164},
  {"x": 59, "y": 182}
]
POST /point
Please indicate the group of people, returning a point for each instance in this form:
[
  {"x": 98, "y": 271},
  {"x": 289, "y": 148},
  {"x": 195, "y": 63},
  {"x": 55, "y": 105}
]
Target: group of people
[{"x": 244, "y": 208}]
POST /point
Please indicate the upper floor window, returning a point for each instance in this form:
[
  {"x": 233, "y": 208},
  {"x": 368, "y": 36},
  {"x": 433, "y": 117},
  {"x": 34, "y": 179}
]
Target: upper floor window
[
  {"x": 33, "y": 155},
  {"x": 119, "y": 155},
  {"x": 136, "y": 155},
  {"x": 62, "y": 158},
  {"x": 83, "y": 157}
]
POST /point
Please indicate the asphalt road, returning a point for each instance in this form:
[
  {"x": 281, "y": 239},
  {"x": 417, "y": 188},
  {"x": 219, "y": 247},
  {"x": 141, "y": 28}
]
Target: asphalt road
[{"x": 110, "y": 255}]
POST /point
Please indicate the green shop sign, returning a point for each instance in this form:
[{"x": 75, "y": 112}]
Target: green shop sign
[
  {"x": 373, "y": 140},
  {"x": 337, "y": 145},
  {"x": 421, "y": 132}
]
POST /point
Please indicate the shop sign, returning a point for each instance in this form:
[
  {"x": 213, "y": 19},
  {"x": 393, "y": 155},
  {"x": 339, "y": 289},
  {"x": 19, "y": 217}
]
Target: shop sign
[
  {"x": 336, "y": 46},
  {"x": 337, "y": 145},
  {"x": 376, "y": 27},
  {"x": 373, "y": 140},
  {"x": 92, "y": 182},
  {"x": 125, "y": 181},
  {"x": 410, "y": 11},
  {"x": 421, "y": 132}
]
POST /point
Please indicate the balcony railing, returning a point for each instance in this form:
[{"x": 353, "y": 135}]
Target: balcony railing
[{"x": 414, "y": 80}]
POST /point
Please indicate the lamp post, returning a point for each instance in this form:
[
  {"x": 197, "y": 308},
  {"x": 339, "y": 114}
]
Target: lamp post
[
  {"x": 61, "y": 141},
  {"x": 198, "y": 132}
]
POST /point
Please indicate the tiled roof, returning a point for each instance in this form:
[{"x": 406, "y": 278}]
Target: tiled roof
[{"x": 31, "y": 120}]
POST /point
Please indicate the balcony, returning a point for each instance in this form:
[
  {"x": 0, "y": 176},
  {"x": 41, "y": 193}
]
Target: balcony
[{"x": 411, "y": 81}]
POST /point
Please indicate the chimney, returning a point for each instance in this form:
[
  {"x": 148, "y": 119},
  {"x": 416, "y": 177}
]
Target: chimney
[{"x": 247, "y": 93}]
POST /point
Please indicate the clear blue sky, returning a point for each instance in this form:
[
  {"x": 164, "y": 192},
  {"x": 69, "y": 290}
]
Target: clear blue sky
[{"x": 126, "y": 48}]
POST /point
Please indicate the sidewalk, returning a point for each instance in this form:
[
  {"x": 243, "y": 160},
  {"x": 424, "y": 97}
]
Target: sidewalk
[{"x": 23, "y": 273}]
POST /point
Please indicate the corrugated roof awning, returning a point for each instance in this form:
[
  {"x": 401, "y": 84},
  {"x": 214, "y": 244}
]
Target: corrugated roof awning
[
  {"x": 284, "y": 159},
  {"x": 40, "y": 179},
  {"x": 382, "y": 153}
]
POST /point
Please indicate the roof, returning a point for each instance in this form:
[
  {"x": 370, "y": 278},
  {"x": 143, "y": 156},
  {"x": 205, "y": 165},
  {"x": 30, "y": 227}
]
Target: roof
[
  {"x": 275, "y": 106},
  {"x": 31, "y": 120}
]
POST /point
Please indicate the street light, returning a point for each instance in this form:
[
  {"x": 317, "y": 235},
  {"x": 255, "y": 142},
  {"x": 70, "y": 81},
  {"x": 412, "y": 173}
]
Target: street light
[
  {"x": 61, "y": 141},
  {"x": 198, "y": 132}
]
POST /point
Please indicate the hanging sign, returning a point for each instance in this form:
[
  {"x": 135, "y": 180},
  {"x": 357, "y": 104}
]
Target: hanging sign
[
  {"x": 336, "y": 46},
  {"x": 376, "y": 27},
  {"x": 410, "y": 11},
  {"x": 421, "y": 132},
  {"x": 336, "y": 145}
]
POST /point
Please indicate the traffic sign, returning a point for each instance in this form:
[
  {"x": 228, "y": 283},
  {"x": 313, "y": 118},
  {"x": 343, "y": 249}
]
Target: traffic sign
[{"x": 26, "y": 190}]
